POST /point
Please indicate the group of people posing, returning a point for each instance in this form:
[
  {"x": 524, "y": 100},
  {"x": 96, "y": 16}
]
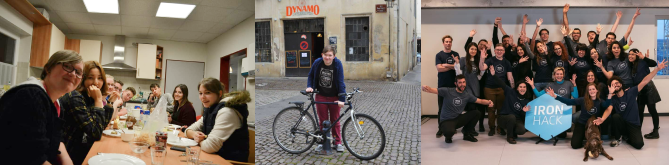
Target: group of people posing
[
  {"x": 603, "y": 78},
  {"x": 56, "y": 119}
]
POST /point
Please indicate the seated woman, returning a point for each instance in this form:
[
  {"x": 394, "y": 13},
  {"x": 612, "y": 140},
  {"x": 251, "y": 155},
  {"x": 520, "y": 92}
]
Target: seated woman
[
  {"x": 184, "y": 113},
  {"x": 222, "y": 129},
  {"x": 512, "y": 115},
  {"x": 84, "y": 115},
  {"x": 590, "y": 105},
  {"x": 29, "y": 112}
]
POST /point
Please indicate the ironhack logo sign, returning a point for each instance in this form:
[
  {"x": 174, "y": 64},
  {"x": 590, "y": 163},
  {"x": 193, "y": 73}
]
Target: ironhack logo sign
[
  {"x": 547, "y": 117},
  {"x": 302, "y": 10}
]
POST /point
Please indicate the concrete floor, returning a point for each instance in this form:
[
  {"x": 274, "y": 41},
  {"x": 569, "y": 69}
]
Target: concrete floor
[{"x": 495, "y": 150}]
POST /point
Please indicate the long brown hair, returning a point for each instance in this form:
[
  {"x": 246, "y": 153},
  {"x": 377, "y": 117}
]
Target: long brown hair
[
  {"x": 214, "y": 86},
  {"x": 88, "y": 66},
  {"x": 587, "y": 99},
  {"x": 565, "y": 54},
  {"x": 184, "y": 99},
  {"x": 537, "y": 55},
  {"x": 469, "y": 57}
]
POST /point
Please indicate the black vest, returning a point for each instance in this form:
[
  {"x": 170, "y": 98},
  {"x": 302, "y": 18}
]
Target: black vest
[{"x": 237, "y": 146}]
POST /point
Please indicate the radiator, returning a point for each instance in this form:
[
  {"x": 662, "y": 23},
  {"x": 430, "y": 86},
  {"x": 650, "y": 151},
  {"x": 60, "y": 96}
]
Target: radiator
[{"x": 6, "y": 73}]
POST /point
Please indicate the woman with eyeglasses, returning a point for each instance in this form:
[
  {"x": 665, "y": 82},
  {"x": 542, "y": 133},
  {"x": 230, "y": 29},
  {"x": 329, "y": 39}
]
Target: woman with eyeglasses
[
  {"x": 84, "y": 115},
  {"x": 29, "y": 112}
]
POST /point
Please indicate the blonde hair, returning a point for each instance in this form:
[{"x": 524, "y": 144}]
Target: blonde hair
[{"x": 556, "y": 70}]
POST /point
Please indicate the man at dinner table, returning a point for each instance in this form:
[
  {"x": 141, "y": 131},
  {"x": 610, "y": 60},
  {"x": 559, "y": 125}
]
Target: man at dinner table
[{"x": 156, "y": 94}]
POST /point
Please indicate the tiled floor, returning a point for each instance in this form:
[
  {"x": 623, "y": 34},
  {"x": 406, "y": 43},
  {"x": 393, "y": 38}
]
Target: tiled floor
[{"x": 495, "y": 150}]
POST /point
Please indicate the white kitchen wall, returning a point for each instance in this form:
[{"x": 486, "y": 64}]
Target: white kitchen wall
[
  {"x": 457, "y": 22},
  {"x": 237, "y": 38},
  {"x": 14, "y": 22}
]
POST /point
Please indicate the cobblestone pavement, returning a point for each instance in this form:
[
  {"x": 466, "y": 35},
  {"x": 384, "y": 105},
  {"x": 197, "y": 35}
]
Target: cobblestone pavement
[{"x": 395, "y": 105}]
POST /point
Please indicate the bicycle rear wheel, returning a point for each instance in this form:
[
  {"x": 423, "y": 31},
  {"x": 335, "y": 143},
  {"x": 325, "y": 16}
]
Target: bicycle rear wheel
[
  {"x": 291, "y": 130},
  {"x": 365, "y": 143}
]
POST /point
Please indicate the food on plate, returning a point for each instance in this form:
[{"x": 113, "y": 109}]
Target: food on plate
[
  {"x": 115, "y": 126},
  {"x": 113, "y": 132}
]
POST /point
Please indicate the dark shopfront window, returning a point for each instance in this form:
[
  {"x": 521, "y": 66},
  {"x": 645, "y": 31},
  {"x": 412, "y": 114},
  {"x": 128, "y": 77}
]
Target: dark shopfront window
[
  {"x": 357, "y": 39},
  {"x": 263, "y": 42}
]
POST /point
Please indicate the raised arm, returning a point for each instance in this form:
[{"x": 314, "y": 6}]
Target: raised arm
[
  {"x": 500, "y": 27},
  {"x": 652, "y": 74},
  {"x": 565, "y": 21},
  {"x": 495, "y": 39},
  {"x": 525, "y": 21},
  {"x": 619, "y": 15},
  {"x": 629, "y": 28},
  {"x": 566, "y": 100},
  {"x": 470, "y": 38},
  {"x": 650, "y": 62},
  {"x": 608, "y": 74},
  {"x": 536, "y": 31}
]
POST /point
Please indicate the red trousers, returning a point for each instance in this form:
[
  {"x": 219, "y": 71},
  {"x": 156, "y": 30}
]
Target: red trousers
[{"x": 331, "y": 110}]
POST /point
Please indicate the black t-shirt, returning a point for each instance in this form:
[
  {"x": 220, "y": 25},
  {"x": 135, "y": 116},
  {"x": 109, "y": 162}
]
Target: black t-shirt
[
  {"x": 626, "y": 106},
  {"x": 557, "y": 61},
  {"x": 501, "y": 68},
  {"x": 513, "y": 104},
  {"x": 454, "y": 102},
  {"x": 621, "y": 69},
  {"x": 581, "y": 68},
  {"x": 326, "y": 85},
  {"x": 446, "y": 79},
  {"x": 543, "y": 69}
]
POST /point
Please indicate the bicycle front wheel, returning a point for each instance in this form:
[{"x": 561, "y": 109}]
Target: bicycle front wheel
[
  {"x": 291, "y": 130},
  {"x": 364, "y": 137}
]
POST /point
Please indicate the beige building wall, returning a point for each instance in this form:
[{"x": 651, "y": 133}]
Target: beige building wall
[{"x": 383, "y": 37}]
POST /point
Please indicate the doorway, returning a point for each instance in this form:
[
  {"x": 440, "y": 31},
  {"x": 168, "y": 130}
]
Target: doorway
[
  {"x": 304, "y": 40},
  {"x": 230, "y": 71}
]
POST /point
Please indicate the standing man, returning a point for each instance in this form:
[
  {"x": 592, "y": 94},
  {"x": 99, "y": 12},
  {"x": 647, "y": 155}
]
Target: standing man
[
  {"x": 455, "y": 100},
  {"x": 446, "y": 68},
  {"x": 327, "y": 76}
]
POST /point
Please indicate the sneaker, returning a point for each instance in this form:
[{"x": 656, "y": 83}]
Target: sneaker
[
  {"x": 615, "y": 143},
  {"x": 340, "y": 148},
  {"x": 470, "y": 138},
  {"x": 449, "y": 140},
  {"x": 439, "y": 134},
  {"x": 319, "y": 148}
]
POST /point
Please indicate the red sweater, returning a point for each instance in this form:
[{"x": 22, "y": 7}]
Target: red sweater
[{"x": 184, "y": 115}]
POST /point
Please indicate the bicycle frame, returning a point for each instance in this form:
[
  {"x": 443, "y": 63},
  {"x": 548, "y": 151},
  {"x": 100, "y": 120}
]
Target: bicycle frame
[{"x": 312, "y": 106}]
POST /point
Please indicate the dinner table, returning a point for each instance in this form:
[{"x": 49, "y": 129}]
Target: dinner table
[{"x": 109, "y": 144}]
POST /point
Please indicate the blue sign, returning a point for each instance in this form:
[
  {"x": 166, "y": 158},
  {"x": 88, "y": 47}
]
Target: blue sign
[{"x": 547, "y": 117}]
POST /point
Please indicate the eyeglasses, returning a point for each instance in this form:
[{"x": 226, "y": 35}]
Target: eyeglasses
[{"x": 69, "y": 68}]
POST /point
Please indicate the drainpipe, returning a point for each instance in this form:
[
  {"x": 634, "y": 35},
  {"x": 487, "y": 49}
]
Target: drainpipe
[
  {"x": 389, "y": 43},
  {"x": 397, "y": 57}
]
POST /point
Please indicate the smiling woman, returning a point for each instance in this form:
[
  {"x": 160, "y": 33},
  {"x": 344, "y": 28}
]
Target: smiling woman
[{"x": 30, "y": 111}]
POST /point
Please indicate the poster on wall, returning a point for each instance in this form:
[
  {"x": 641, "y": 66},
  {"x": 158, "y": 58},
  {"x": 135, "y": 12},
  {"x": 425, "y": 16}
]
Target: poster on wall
[
  {"x": 305, "y": 59},
  {"x": 291, "y": 59}
]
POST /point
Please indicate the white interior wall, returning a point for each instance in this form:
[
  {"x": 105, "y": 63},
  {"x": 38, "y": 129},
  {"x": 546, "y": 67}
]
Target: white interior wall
[
  {"x": 457, "y": 22},
  {"x": 233, "y": 40},
  {"x": 14, "y": 22}
]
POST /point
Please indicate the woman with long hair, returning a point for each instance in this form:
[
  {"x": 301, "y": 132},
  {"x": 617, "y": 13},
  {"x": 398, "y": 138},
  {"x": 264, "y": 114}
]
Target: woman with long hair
[
  {"x": 512, "y": 115},
  {"x": 542, "y": 66},
  {"x": 222, "y": 129},
  {"x": 617, "y": 65},
  {"x": 649, "y": 95},
  {"x": 561, "y": 58},
  {"x": 184, "y": 113},
  {"x": 523, "y": 66},
  {"x": 592, "y": 105},
  {"x": 597, "y": 59},
  {"x": 468, "y": 66},
  {"x": 83, "y": 113}
]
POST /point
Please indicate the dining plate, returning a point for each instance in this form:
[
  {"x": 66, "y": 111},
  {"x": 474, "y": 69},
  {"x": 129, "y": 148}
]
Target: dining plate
[
  {"x": 109, "y": 133},
  {"x": 184, "y": 142},
  {"x": 115, "y": 159},
  {"x": 123, "y": 117}
]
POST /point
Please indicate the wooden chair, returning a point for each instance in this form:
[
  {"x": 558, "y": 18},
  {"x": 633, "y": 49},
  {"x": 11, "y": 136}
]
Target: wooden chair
[{"x": 252, "y": 150}]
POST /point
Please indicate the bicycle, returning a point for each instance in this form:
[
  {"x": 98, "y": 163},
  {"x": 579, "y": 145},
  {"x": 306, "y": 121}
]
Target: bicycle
[{"x": 300, "y": 136}]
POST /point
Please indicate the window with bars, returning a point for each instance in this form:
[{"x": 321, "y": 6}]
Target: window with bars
[
  {"x": 263, "y": 42},
  {"x": 357, "y": 39}
]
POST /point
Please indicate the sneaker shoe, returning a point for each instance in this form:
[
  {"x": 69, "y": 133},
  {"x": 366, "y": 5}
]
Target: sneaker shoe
[
  {"x": 615, "y": 143},
  {"x": 470, "y": 138},
  {"x": 439, "y": 134},
  {"x": 340, "y": 148},
  {"x": 449, "y": 140},
  {"x": 319, "y": 148}
]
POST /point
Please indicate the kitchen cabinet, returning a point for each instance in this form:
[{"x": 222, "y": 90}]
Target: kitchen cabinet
[
  {"x": 90, "y": 50},
  {"x": 149, "y": 61},
  {"x": 47, "y": 39}
]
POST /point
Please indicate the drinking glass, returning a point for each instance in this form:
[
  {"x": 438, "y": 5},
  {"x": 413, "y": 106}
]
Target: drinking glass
[
  {"x": 193, "y": 155},
  {"x": 158, "y": 156}
]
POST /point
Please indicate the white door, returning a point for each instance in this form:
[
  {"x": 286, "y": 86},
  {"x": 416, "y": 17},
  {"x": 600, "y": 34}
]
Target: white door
[
  {"x": 189, "y": 73},
  {"x": 146, "y": 61}
]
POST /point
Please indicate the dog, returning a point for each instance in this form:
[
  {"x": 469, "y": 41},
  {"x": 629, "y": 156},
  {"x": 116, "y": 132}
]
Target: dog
[{"x": 593, "y": 146}]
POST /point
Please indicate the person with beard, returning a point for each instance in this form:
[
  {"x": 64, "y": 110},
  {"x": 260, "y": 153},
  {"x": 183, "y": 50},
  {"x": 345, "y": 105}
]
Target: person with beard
[
  {"x": 445, "y": 61},
  {"x": 492, "y": 90},
  {"x": 542, "y": 67},
  {"x": 618, "y": 65},
  {"x": 592, "y": 105},
  {"x": 576, "y": 34},
  {"x": 648, "y": 95},
  {"x": 468, "y": 66},
  {"x": 455, "y": 100},
  {"x": 626, "y": 118},
  {"x": 604, "y": 46},
  {"x": 512, "y": 115}
]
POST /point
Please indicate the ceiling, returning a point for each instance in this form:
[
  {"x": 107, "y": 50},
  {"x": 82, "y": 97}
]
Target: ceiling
[{"x": 137, "y": 19}]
